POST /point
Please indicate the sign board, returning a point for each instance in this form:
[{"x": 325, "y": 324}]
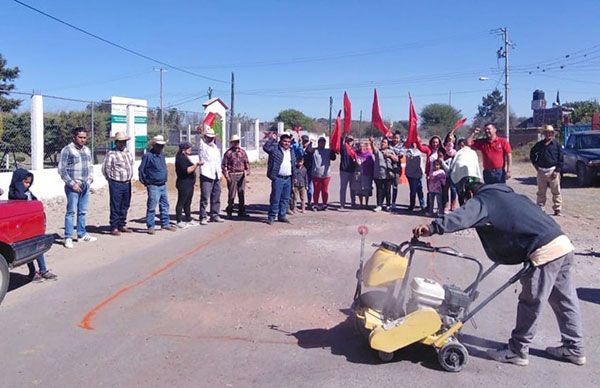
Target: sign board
[{"x": 119, "y": 118}]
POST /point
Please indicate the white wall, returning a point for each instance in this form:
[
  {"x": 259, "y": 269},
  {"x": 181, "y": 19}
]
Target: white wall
[{"x": 47, "y": 183}]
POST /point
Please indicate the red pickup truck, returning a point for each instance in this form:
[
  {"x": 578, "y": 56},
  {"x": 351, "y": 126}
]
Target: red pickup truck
[{"x": 22, "y": 236}]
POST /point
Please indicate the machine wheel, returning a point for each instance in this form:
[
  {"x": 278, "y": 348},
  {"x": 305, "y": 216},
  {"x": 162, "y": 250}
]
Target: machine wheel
[
  {"x": 4, "y": 277},
  {"x": 360, "y": 328},
  {"x": 385, "y": 356},
  {"x": 453, "y": 356},
  {"x": 584, "y": 175}
]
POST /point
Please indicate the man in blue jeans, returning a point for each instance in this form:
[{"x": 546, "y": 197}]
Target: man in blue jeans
[
  {"x": 75, "y": 169},
  {"x": 282, "y": 161},
  {"x": 153, "y": 174}
]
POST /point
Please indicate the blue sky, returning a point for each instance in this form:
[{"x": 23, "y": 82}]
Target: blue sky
[{"x": 297, "y": 54}]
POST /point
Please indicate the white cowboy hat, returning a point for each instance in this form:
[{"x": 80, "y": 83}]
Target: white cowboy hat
[
  {"x": 234, "y": 138},
  {"x": 158, "y": 139},
  {"x": 208, "y": 131},
  {"x": 120, "y": 136}
]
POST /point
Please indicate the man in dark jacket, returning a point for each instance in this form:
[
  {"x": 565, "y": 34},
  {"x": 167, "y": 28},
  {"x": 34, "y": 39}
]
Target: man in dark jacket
[
  {"x": 547, "y": 158},
  {"x": 153, "y": 174},
  {"x": 280, "y": 168},
  {"x": 347, "y": 169},
  {"x": 512, "y": 230},
  {"x": 307, "y": 153}
]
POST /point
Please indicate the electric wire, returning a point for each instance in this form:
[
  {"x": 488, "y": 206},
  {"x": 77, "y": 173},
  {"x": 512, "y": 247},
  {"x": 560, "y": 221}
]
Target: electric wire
[{"x": 119, "y": 46}]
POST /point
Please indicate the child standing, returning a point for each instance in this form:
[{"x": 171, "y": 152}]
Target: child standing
[
  {"x": 19, "y": 190},
  {"x": 299, "y": 185},
  {"x": 436, "y": 182}
]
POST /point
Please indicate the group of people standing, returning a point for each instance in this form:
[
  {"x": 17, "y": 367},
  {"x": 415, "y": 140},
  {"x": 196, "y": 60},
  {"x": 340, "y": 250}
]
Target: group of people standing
[{"x": 298, "y": 170}]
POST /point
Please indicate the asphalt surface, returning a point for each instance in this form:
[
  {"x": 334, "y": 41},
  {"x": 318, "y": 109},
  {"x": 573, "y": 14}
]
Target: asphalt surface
[{"x": 244, "y": 304}]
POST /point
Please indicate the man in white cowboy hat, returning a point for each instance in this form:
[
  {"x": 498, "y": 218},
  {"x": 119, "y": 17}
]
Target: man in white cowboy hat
[
  {"x": 235, "y": 168},
  {"x": 210, "y": 177},
  {"x": 547, "y": 158},
  {"x": 118, "y": 171},
  {"x": 153, "y": 174}
]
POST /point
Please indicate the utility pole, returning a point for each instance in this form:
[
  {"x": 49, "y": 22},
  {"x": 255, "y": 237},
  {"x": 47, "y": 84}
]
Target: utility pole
[
  {"x": 231, "y": 111},
  {"x": 360, "y": 124},
  {"x": 162, "y": 113},
  {"x": 330, "y": 109},
  {"x": 503, "y": 53},
  {"x": 450, "y": 97}
]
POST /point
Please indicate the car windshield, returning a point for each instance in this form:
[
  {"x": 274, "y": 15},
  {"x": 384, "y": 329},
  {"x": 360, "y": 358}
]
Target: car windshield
[{"x": 590, "y": 141}]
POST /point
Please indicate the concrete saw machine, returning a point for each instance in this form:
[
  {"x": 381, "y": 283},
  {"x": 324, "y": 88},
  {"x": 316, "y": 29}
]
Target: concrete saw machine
[{"x": 393, "y": 310}]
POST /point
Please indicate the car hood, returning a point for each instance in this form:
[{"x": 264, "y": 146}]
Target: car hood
[{"x": 591, "y": 154}]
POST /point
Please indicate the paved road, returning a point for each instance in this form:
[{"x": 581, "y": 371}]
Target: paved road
[{"x": 246, "y": 304}]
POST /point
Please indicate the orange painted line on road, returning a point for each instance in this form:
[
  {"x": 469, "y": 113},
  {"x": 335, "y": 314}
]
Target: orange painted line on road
[{"x": 86, "y": 322}]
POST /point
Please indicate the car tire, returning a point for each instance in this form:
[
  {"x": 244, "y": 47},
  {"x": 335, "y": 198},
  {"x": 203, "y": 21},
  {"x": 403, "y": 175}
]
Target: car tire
[
  {"x": 584, "y": 175},
  {"x": 4, "y": 277}
]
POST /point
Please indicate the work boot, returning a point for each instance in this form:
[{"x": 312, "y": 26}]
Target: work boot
[
  {"x": 506, "y": 355},
  {"x": 564, "y": 354}
]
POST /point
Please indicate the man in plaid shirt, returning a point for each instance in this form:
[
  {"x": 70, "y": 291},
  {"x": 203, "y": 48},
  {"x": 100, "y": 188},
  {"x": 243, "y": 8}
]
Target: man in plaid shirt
[
  {"x": 75, "y": 168},
  {"x": 118, "y": 171}
]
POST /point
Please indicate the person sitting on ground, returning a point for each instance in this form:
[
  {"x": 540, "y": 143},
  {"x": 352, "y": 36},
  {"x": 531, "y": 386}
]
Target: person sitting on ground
[
  {"x": 153, "y": 174},
  {"x": 322, "y": 158},
  {"x": 19, "y": 190},
  {"x": 185, "y": 170},
  {"x": 299, "y": 183},
  {"x": 514, "y": 230},
  {"x": 383, "y": 173}
]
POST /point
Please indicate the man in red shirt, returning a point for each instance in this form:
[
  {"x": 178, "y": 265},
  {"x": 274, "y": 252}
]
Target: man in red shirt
[{"x": 496, "y": 153}]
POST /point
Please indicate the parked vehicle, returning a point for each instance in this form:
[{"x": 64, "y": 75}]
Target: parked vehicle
[
  {"x": 582, "y": 156},
  {"x": 22, "y": 237}
]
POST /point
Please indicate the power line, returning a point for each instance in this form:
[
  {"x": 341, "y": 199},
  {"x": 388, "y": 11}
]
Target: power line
[{"x": 136, "y": 53}]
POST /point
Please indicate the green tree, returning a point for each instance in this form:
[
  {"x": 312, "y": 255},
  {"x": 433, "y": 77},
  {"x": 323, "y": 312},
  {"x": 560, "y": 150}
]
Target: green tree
[
  {"x": 583, "y": 110},
  {"x": 438, "y": 119},
  {"x": 7, "y": 75},
  {"x": 292, "y": 118},
  {"x": 492, "y": 110}
]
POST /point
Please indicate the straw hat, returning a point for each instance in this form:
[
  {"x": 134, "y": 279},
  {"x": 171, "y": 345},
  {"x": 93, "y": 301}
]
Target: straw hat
[
  {"x": 208, "y": 131},
  {"x": 120, "y": 136},
  {"x": 158, "y": 139},
  {"x": 234, "y": 138}
]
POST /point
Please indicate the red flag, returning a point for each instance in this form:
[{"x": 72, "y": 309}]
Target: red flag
[
  {"x": 376, "y": 116},
  {"x": 347, "y": 114},
  {"x": 335, "y": 139},
  {"x": 209, "y": 119},
  {"x": 412, "y": 124},
  {"x": 459, "y": 123}
]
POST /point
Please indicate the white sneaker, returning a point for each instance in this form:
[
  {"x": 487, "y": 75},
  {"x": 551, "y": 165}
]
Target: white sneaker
[
  {"x": 204, "y": 221},
  {"x": 564, "y": 354},
  {"x": 506, "y": 355},
  {"x": 69, "y": 243},
  {"x": 377, "y": 209},
  {"x": 192, "y": 223},
  {"x": 87, "y": 238},
  {"x": 182, "y": 225}
]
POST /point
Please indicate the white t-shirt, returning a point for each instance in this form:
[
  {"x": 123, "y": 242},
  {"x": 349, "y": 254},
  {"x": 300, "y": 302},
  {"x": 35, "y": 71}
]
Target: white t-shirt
[{"x": 286, "y": 166}]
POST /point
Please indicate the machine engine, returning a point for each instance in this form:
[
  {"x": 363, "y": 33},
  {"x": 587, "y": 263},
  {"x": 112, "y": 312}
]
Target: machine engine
[{"x": 449, "y": 301}]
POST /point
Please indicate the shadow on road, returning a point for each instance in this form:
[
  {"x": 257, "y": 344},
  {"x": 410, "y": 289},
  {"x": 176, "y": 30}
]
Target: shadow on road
[
  {"x": 343, "y": 340},
  {"x": 477, "y": 347},
  {"x": 589, "y": 295},
  {"x": 17, "y": 280}
]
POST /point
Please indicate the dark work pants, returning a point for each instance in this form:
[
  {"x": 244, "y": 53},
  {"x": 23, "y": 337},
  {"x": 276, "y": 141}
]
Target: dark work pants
[
  {"x": 384, "y": 187},
  {"x": 236, "y": 184},
  {"x": 494, "y": 176},
  {"x": 210, "y": 189},
  {"x": 416, "y": 190},
  {"x": 279, "y": 202},
  {"x": 120, "y": 199},
  {"x": 185, "y": 194}
]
